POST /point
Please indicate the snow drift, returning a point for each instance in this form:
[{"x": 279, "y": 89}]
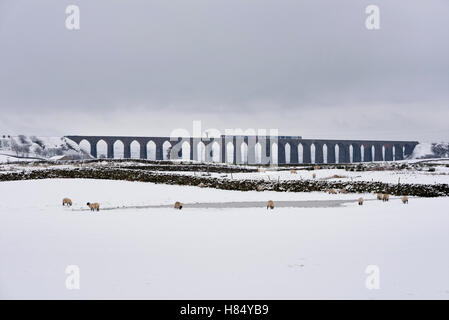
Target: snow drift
[{"x": 40, "y": 147}]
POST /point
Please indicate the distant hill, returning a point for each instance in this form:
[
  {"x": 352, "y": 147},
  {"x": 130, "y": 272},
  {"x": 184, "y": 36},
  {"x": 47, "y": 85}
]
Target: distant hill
[
  {"x": 41, "y": 147},
  {"x": 431, "y": 150}
]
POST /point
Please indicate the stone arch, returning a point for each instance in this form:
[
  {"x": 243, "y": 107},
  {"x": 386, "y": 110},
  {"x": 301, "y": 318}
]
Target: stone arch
[
  {"x": 312, "y": 153},
  {"x": 135, "y": 149},
  {"x": 185, "y": 151},
  {"x": 201, "y": 151},
  {"x": 324, "y": 153},
  {"x": 166, "y": 149},
  {"x": 119, "y": 149},
  {"x": 102, "y": 149},
  {"x": 337, "y": 153},
  {"x": 258, "y": 152},
  {"x": 300, "y": 153},
  {"x": 215, "y": 152},
  {"x": 274, "y": 153},
  {"x": 287, "y": 152},
  {"x": 85, "y": 146},
  {"x": 230, "y": 152},
  {"x": 151, "y": 150},
  {"x": 244, "y": 152},
  {"x": 351, "y": 153}
]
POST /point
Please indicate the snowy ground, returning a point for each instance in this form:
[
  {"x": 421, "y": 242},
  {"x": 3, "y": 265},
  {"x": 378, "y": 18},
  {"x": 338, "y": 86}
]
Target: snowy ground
[
  {"x": 250, "y": 253},
  {"x": 441, "y": 175},
  {"x": 413, "y": 174}
]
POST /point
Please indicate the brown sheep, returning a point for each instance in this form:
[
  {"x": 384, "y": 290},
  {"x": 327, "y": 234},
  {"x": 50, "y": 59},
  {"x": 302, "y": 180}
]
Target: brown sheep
[
  {"x": 314, "y": 175},
  {"x": 360, "y": 201},
  {"x": 404, "y": 199},
  {"x": 332, "y": 191},
  {"x": 67, "y": 201},
  {"x": 292, "y": 171},
  {"x": 270, "y": 204},
  {"x": 94, "y": 206},
  {"x": 316, "y": 167},
  {"x": 385, "y": 197},
  {"x": 380, "y": 196},
  {"x": 178, "y": 205}
]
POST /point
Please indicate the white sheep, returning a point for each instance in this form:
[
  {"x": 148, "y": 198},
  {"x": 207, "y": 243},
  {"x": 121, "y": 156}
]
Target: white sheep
[
  {"x": 67, "y": 202},
  {"x": 94, "y": 206},
  {"x": 178, "y": 205}
]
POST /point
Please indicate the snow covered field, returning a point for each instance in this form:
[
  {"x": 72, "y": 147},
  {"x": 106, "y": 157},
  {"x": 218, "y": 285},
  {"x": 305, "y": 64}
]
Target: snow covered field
[
  {"x": 250, "y": 253},
  {"x": 441, "y": 175}
]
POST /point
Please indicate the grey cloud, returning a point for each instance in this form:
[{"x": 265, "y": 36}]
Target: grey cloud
[{"x": 258, "y": 61}]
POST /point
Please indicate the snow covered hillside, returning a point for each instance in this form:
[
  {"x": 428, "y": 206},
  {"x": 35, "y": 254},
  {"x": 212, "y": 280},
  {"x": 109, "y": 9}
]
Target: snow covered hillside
[
  {"x": 227, "y": 253},
  {"x": 19, "y": 147},
  {"x": 431, "y": 150}
]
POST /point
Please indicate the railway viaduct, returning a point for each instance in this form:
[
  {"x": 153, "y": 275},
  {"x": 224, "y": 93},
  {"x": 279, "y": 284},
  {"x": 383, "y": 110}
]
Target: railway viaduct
[{"x": 250, "y": 149}]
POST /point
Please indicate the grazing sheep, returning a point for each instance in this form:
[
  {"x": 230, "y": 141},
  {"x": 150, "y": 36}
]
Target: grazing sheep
[
  {"x": 178, "y": 205},
  {"x": 314, "y": 175},
  {"x": 260, "y": 170},
  {"x": 360, "y": 201},
  {"x": 380, "y": 196},
  {"x": 404, "y": 199},
  {"x": 270, "y": 204},
  {"x": 93, "y": 206},
  {"x": 259, "y": 188},
  {"x": 316, "y": 167},
  {"x": 343, "y": 190},
  {"x": 292, "y": 171},
  {"x": 385, "y": 197},
  {"x": 201, "y": 185},
  {"x": 332, "y": 191},
  {"x": 67, "y": 201}
]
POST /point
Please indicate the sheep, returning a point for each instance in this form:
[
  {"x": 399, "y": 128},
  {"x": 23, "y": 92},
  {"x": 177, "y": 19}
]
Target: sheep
[
  {"x": 259, "y": 188},
  {"x": 292, "y": 171},
  {"x": 379, "y": 196},
  {"x": 93, "y": 206},
  {"x": 260, "y": 170},
  {"x": 385, "y": 197},
  {"x": 332, "y": 191},
  {"x": 67, "y": 201},
  {"x": 314, "y": 175},
  {"x": 360, "y": 201},
  {"x": 404, "y": 199},
  {"x": 316, "y": 167},
  {"x": 201, "y": 185},
  {"x": 178, "y": 205},
  {"x": 270, "y": 204},
  {"x": 343, "y": 190}
]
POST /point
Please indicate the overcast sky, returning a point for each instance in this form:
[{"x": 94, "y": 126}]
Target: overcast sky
[{"x": 307, "y": 68}]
